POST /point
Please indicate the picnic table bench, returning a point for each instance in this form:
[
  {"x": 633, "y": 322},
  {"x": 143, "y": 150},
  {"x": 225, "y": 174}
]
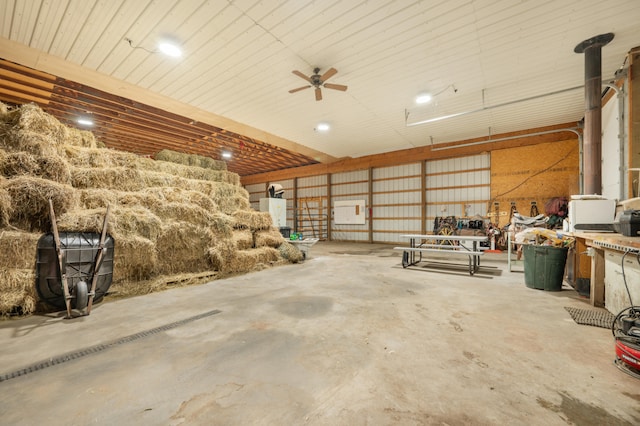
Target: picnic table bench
[{"x": 442, "y": 244}]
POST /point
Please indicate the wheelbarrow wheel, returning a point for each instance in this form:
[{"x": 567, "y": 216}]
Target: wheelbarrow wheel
[{"x": 81, "y": 294}]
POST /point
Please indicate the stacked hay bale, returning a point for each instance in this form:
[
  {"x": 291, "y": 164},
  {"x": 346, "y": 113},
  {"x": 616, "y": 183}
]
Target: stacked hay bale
[{"x": 177, "y": 219}]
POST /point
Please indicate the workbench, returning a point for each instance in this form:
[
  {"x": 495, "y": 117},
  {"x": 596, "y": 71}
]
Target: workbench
[
  {"x": 447, "y": 245},
  {"x": 598, "y": 258}
]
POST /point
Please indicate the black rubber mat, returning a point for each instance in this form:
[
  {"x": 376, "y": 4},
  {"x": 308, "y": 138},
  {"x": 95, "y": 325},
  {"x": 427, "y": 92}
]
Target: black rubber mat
[
  {"x": 596, "y": 318},
  {"x": 101, "y": 347}
]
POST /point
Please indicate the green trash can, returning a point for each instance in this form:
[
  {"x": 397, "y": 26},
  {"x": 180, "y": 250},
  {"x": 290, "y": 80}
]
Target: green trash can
[{"x": 544, "y": 267}]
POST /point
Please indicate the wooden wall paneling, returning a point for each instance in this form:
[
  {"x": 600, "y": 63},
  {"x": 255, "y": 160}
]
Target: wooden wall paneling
[
  {"x": 408, "y": 156},
  {"x": 533, "y": 173}
]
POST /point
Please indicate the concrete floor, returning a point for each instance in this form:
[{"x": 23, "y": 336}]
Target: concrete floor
[{"x": 347, "y": 338}]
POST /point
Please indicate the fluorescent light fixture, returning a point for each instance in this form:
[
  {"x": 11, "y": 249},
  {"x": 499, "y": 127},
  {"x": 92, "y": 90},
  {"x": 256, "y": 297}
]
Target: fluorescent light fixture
[
  {"x": 226, "y": 154},
  {"x": 423, "y": 98},
  {"x": 170, "y": 49},
  {"x": 84, "y": 122},
  {"x": 323, "y": 127}
]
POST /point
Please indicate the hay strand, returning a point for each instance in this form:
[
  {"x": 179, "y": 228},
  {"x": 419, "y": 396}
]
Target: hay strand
[{"x": 18, "y": 249}]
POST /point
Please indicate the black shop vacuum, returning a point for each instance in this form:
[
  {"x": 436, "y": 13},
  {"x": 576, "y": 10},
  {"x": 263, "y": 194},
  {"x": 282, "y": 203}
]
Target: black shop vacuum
[{"x": 626, "y": 332}]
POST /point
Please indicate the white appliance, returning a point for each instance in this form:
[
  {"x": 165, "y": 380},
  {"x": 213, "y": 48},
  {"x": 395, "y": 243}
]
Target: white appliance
[
  {"x": 591, "y": 214},
  {"x": 277, "y": 207}
]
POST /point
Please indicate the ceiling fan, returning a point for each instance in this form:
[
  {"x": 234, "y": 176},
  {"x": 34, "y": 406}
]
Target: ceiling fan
[{"x": 318, "y": 81}]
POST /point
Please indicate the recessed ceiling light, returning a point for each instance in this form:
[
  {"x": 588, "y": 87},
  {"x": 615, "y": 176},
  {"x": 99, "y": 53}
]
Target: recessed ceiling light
[
  {"x": 84, "y": 122},
  {"x": 170, "y": 48},
  {"x": 323, "y": 127},
  {"x": 226, "y": 154},
  {"x": 423, "y": 98}
]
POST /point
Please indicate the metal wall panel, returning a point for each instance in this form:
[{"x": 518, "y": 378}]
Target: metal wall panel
[
  {"x": 396, "y": 205},
  {"x": 350, "y": 186},
  {"x": 457, "y": 187},
  {"x": 256, "y": 191}
]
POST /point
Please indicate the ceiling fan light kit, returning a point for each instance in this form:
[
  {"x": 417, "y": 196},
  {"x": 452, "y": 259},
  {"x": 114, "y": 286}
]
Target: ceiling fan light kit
[{"x": 318, "y": 81}]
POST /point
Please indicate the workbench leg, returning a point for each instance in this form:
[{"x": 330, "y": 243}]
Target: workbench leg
[{"x": 596, "y": 293}]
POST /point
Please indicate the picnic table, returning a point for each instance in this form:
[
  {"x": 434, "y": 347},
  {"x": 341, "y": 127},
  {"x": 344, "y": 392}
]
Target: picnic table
[{"x": 421, "y": 247}]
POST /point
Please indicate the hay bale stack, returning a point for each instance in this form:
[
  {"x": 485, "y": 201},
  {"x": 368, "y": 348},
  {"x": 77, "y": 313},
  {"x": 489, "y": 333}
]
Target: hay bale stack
[
  {"x": 30, "y": 201},
  {"x": 252, "y": 260},
  {"x": 6, "y": 206},
  {"x": 100, "y": 158},
  {"x": 190, "y": 160},
  {"x": 18, "y": 249},
  {"x": 82, "y": 138},
  {"x": 115, "y": 178},
  {"x": 135, "y": 260},
  {"x": 17, "y": 292},
  {"x": 182, "y": 247},
  {"x": 30, "y": 118},
  {"x": 22, "y": 163},
  {"x": 251, "y": 219},
  {"x": 243, "y": 239},
  {"x": 174, "y": 220},
  {"x": 268, "y": 238}
]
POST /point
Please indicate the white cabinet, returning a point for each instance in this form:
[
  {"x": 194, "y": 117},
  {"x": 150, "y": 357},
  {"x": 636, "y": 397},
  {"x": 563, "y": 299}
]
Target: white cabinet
[
  {"x": 277, "y": 207},
  {"x": 616, "y": 297}
]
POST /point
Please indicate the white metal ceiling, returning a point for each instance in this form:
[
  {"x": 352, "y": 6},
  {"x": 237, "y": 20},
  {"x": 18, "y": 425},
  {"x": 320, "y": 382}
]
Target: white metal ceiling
[{"x": 239, "y": 55}]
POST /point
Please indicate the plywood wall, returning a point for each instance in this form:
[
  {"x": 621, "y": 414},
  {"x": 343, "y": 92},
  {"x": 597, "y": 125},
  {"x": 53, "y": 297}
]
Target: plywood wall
[{"x": 533, "y": 173}]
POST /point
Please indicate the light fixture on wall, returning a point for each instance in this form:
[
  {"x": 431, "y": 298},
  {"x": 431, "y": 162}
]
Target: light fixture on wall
[
  {"x": 322, "y": 127},
  {"x": 226, "y": 154}
]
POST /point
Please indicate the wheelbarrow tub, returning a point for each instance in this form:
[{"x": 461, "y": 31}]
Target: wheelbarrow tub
[{"x": 81, "y": 250}]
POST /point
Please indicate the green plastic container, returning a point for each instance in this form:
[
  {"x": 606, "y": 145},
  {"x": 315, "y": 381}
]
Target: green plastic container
[{"x": 544, "y": 267}]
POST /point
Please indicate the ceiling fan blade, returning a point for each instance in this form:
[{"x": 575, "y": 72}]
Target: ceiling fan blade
[
  {"x": 318, "y": 94},
  {"x": 335, "y": 86},
  {"x": 298, "y": 89},
  {"x": 299, "y": 74},
  {"x": 328, "y": 74}
]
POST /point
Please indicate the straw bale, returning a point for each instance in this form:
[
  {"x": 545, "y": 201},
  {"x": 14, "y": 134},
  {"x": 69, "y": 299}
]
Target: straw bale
[
  {"x": 252, "y": 219},
  {"x": 243, "y": 239},
  {"x": 23, "y": 163},
  {"x": 117, "y": 178},
  {"x": 252, "y": 260},
  {"x": 6, "y": 206},
  {"x": 18, "y": 249},
  {"x": 229, "y": 198},
  {"x": 190, "y": 160},
  {"x": 135, "y": 220},
  {"x": 4, "y": 110},
  {"x": 160, "y": 283},
  {"x": 17, "y": 291},
  {"x": 290, "y": 252},
  {"x": 182, "y": 247},
  {"x": 31, "y": 118},
  {"x": 83, "y": 221},
  {"x": 30, "y": 199},
  {"x": 31, "y": 142},
  {"x": 172, "y": 194},
  {"x": 99, "y": 157},
  {"x": 221, "y": 254},
  {"x": 83, "y": 138},
  {"x": 185, "y": 212},
  {"x": 97, "y": 198},
  {"x": 159, "y": 179},
  {"x": 135, "y": 259},
  {"x": 268, "y": 237},
  {"x": 187, "y": 172},
  {"x": 122, "y": 221}
]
